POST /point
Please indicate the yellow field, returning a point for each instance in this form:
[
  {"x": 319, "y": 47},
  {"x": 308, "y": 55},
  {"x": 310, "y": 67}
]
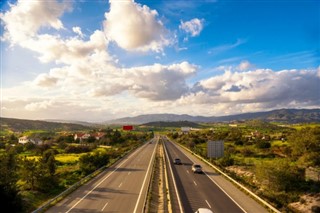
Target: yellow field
[{"x": 67, "y": 158}]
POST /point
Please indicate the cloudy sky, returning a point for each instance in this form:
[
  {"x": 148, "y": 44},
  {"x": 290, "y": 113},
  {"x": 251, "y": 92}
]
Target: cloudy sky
[{"x": 104, "y": 59}]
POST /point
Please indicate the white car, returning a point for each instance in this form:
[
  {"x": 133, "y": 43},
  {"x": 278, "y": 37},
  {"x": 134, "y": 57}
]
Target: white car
[
  {"x": 204, "y": 210},
  {"x": 196, "y": 168}
]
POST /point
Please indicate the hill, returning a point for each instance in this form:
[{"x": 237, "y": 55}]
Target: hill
[
  {"x": 280, "y": 115},
  {"x": 172, "y": 124},
  {"x": 20, "y": 125}
]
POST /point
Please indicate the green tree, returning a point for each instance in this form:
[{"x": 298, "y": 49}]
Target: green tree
[
  {"x": 90, "y": 162},
  {"x": 279, "y": 175},
  {"x": 226, "y": 160},
  {"x": 262, "y": 144},
  {"x": 10, "y": 198},
  {"x": 304, "y": 141},
  {"x": 28, "y": 172},
  {"x": 46, "y": 171}
]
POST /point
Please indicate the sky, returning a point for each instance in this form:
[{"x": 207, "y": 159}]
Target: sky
[{"x": 105, "y": 59}]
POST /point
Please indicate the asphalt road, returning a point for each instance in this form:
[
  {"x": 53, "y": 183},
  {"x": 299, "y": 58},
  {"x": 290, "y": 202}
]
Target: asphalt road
[
  {"x": 200, "y": 190},
  {"x": 121, "y": 188}
]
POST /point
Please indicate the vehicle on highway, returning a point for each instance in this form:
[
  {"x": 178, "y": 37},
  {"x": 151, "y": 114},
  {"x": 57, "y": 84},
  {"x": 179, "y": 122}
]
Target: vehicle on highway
[
  {"x": 204, "y": 210},
  {"x": 196, "y": 168},
  {"x": 177, "y": 161}
]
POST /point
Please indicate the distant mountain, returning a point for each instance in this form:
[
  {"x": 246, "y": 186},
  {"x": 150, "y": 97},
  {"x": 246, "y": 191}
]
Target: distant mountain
[
  {"x": 71, "y": 122},
  {"x": 280, "y": 115},
  {"x": 20, "y": 125},
  {"x": 172, "y": 124},
  {"x": 141, "y": 119}
]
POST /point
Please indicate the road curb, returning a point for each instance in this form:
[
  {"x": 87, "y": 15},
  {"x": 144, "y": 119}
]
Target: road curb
[{"x": 269, "y": 206}]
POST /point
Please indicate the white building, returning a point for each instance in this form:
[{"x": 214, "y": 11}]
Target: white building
[{"x": 26, "y": 139}]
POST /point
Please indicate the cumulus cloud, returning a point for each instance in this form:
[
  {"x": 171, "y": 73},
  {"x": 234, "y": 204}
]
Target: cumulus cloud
[
  {"x": 88, "y": 81},
  {"x": 35, "y": 106},
  {"x": 24, "y": 19},
  {"x": 192, "y": 27},
  {"x": 135, "y": 27},
  {"x": 160, "y": 82},
  {"x": 155, "y": 82},
  {"x": 263, "y": 87},
  {"x": 45, "y": 80}
]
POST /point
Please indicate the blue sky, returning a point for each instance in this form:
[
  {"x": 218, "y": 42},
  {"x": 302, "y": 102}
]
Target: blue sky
[{"x": 99, "y": 60}]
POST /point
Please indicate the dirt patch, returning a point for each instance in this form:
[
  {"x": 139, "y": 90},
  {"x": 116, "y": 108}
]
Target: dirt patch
[
  {"x": 243, "y": 172},
  {"x": 307, "y": 204}
]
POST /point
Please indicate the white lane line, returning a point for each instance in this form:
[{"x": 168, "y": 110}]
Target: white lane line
[
  {"x": 104, "y": 206},
  {"x": 174, "y": 181},
  {"x": 144, "y": 181},
  {"x": 102, "y": 181},
  {"x": 213, "y": 181},
  {"x": 194, "y": 183},
  {"x": 120, "y": 185},
  {"x": 208, "y": 204}
]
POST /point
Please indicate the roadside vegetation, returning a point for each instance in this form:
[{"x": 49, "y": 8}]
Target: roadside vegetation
[
  {"x": 280, "y": 163},
  {"x": 32, "y": 174}
]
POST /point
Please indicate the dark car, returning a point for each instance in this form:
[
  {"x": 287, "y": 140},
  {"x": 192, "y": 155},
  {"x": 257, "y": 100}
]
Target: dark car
[{"x": 177, "y": 161}]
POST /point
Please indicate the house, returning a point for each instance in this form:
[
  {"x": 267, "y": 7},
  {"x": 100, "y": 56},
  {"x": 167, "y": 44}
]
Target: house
[
  {"x": 23, "y": 140},
  {"x": 26, "y": 139},
  {"x": 81, "y": 136},
  {"x": 98, "y": 135},
  {"x": 85, "y": 136}
]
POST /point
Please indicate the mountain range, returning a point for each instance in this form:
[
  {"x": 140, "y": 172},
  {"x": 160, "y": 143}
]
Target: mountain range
[{"x": 279, "y": 115}]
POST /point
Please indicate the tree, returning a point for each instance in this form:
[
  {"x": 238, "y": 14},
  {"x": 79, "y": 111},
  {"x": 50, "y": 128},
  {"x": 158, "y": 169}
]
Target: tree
[
  {"x": 91, "y": 139},
  {"x": 28, "y": 172},
  {"x": 46, "y": 171},
  {"x": 279, "y": 175},
  {"x": 226, "y": 160},
  {"x": 92, "y": 161},
  {"x": 304, "y": 141},
  {"x": 262, "y": 144},
  {"x": 9, "y": 193}
]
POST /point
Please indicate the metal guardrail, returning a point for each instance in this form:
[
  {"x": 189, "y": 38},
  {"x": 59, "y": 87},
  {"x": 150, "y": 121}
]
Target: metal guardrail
[
  {"x": 75, "y": 186},
  {"x": 232, "y": 180}
]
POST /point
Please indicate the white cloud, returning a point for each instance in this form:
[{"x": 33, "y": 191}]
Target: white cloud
[
  {"x": 87, "y": 82},
  {"x": 192, "y": 27},
  {"x": 78, "y": 31},
  {"x": 135, "y": 27},
  {"x": 269, "y": 89},
  {"x": 45, "y": 80},
  {"x": 25, "y": 18},
  {"x": 244, "y": 65},
  {"x": 155, "y": 82},
  {"x": 36, "y": 106},
  {"x": 226, "y": 47}
]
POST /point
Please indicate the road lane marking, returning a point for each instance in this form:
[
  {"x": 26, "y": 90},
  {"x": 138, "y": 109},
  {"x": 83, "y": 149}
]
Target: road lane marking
[
  {"x": 104, "y": 179},
  {"x": 212, "y": 179},
  {"x": 194, "y": 183},
  {"x": 120, "y": 185},
  {"x": 208, "y": 204},
  {"x": 104, "y": 206},
  {"x": 144, "y": 181},
  {"x": 188, "y": 171},
  {"x": 174, "y": 181}
]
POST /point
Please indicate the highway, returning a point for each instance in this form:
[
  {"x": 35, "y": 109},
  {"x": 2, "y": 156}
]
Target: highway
[
  {"x": 201, "y": 190},
  {"x": 120, "y": 188}
]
